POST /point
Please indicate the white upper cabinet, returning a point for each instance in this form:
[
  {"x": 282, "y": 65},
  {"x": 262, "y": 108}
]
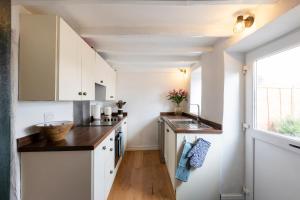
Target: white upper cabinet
[
  {"x": 111, "y": 86},
  {"x": 106, "y": 76},
  {"x": 55, "y": 63},
  {"x": 87, "y": 72},
  {"x": 69, "y": 70},
  {"x": 100, "y": 69}
]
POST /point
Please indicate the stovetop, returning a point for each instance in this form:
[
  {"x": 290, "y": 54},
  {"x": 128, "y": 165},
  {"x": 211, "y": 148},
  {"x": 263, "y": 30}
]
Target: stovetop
[{"x": 105, "y": 121}]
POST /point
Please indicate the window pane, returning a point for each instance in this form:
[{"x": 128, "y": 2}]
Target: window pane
[
  {"x": 195, "y": 91},
  {"x": 278, "y": 93}
]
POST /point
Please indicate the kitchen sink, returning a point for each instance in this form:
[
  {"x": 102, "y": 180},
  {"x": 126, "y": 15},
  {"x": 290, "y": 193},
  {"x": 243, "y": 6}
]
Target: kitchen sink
[{"x": 188, "y": 124}]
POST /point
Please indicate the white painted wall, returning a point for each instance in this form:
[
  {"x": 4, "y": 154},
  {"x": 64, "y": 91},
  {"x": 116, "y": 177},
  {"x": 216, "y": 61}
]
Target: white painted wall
[
  {"x": 145, "y": 94},
  {"x": 26, "y": 114},
  {"x": 233, "y": 154},
  {"x": 222, "y": 101}
]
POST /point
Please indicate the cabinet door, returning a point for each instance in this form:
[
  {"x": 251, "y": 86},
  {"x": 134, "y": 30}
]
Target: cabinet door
[
  {"x": 125, "y": 132},
  {"x": 111, "y": 85},
  {"x": 100, "y": 156},
  {"x": 100, "y": 71},
  {"x": 172, "y": 156},
  {"x": 110, "y": 164},
  {"x": 69, "y": 63},
  {"x": 166, "y": 146},
  {"x": 170, "y": 153},
  {"x": 87, "y": 72}
]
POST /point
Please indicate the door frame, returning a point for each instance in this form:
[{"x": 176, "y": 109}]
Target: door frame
[{"x": 285, "y": 42}]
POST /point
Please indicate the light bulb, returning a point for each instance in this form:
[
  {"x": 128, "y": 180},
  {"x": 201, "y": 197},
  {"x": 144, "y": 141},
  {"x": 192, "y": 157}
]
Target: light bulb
[{"x": 239, "y": 26}]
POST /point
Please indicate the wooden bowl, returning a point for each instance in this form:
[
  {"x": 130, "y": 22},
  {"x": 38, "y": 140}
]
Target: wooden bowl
[{"x": 55, "y": 131}]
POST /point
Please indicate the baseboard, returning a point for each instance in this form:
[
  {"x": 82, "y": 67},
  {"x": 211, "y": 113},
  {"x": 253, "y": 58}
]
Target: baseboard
[
  {"x": 232, "y": 197},
  {"x": 142, "y": 148}
]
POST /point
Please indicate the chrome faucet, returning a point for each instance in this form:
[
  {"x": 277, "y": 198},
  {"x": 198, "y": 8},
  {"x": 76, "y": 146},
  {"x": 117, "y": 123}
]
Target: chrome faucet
[{"x": 198, "y": 106}]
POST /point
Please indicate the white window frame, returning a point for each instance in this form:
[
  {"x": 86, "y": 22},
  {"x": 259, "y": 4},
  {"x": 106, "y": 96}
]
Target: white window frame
[{"x": 200, "y": 105}]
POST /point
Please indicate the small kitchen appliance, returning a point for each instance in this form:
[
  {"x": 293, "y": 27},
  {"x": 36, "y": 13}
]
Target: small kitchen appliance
[
  {"x": 96, "y": 111},
  {"x": 107, "y": 111}
]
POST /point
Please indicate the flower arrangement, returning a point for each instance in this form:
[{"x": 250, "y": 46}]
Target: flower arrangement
[{"x": 177, "y": 96}]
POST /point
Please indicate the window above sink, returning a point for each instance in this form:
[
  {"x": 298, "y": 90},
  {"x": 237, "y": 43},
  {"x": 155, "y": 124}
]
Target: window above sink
[{"x": 195, "y": 90}]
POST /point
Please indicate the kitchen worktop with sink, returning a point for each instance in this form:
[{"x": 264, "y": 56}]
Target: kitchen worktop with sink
[{"x": 189, "y": 123}]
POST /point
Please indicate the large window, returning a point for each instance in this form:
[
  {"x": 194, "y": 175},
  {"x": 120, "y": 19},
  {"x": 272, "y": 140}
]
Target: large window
[
  {"x": 278, "y": 93},
  {"x": 195, "y": 92}
]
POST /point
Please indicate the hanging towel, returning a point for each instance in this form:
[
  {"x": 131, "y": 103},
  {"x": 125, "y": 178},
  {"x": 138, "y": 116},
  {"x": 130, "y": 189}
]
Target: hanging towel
[
  {"x": 183, "y": 168},
  {"x": 198, "y": 153}
]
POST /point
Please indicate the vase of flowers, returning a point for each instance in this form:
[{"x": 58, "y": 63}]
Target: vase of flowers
[{"x": 177, "y": 96}]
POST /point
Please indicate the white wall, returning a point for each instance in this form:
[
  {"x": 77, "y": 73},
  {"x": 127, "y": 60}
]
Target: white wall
[
  {"x": 26, "y": 114},
  {"x": 145, "y": 94},
  {"x": 233, "y": 154},
  {"x": 222, "y": 101}
]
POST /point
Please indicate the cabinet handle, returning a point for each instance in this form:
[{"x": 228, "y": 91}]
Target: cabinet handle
[
  {"x": 167, "y": 130},
  {"x": 85, "y": 93},
  {"x": 104, "y": 148},
  {"x": 111, "y": 149},
  {"x": 79, "y": 93},
  {"x": 111, "y": 139},
  {"x": 111, "y": 171},
  {"x": 111, "y": 97},
  {"x": 101, "y": 81}
]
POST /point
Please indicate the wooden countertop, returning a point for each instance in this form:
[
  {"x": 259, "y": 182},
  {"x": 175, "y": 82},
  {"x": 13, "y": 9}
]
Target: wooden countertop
[
  {"x": 214, "y": 128},
  {"x": 78, "y": 139}
]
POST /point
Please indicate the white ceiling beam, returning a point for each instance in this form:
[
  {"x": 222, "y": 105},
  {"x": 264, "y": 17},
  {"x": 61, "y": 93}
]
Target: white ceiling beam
[
  {"x": 187, "y": 51},
  {"x": 169, "y": 65},
  {"x": 150, "y": 58},
  {"x": 143, "y": 2},
  {"x": 116, "y": 63},
  {"x": 187, "y": 31}
]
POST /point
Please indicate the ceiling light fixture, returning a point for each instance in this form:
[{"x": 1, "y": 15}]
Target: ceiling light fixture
[
  {"x": 182, "y": 70},
  {"x": 242, "y": 23}
]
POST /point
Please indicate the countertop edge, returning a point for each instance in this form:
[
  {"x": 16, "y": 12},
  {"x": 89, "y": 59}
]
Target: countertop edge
[{"x": 22, "y": 143}]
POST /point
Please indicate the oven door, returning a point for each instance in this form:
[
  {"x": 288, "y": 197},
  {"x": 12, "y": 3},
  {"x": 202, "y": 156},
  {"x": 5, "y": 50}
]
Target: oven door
[{"x": 118, "y": 143}]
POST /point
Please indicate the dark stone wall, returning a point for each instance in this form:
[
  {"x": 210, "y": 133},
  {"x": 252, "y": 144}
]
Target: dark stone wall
[{"x": 5, "y": 98}]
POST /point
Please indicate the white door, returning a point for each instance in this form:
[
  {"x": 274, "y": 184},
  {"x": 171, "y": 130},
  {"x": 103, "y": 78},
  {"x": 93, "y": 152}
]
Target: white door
[{"x": 272, "y": 113}]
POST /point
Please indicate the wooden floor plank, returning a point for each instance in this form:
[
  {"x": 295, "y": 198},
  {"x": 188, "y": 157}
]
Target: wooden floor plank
[{"x": 141, "y": 176}]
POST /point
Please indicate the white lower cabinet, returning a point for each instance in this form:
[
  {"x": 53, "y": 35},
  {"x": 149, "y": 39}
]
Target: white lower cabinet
[
  {"x": 170, "y": 152},
  {"x": 104, "y": 161},
  {"x": 69, "y": 175},
  {"x": 203, "y": 183}
]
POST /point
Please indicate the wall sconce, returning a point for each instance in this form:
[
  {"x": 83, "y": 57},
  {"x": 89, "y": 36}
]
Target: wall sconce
[{"x": 242, "y": 23}]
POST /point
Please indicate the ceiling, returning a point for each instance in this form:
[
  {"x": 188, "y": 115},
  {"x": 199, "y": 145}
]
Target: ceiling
[{"x": 148, "y": 34}]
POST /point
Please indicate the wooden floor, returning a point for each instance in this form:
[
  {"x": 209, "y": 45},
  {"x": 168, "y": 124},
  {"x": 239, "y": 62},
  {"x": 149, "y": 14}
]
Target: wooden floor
[{"x": 141, "y": 176}]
